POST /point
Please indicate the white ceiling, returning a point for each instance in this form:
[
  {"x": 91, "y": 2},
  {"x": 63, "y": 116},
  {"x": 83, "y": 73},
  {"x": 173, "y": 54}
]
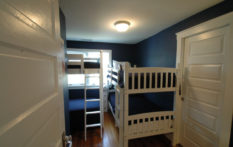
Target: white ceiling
[{"x": 92, "y": 20}]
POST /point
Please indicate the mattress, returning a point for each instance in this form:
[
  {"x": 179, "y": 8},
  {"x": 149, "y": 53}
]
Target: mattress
[
  {"x": 139, "y": 104},
  {"x": 78, "y": 105},
  {"x": 86, "y": 65}
]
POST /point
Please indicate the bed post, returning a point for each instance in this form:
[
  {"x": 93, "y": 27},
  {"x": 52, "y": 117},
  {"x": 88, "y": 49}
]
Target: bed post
[
  {"x": 126, "y": 101},
  {"x": 101, "y": 90},
  {"x": 120, "y": 92},
  {"x": 177, "y": 104},
  {"x": 126, "y": 97},
  {"x": 117, "y": 105},
  {"x": 82, "y": 64}
]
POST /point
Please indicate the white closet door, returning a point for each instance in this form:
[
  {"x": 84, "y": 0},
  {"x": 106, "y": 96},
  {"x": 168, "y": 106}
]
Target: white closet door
[
  {"x": 204, "y": 86},
  {"x": 31, "y": 98}
]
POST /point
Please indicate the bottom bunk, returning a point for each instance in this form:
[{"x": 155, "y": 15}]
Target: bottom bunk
[
  {"x": 155, "y": 108},
  {"x": 76, "y": 109},
  {"x": 148, "y": 124},
  {"x": 78, "y": 105},
  {"x": 143, "y": 103},
  {"x": 149, "y": 114}
]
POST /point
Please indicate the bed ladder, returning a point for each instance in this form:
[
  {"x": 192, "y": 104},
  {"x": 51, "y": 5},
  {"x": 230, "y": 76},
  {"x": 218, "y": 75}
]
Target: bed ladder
[{"x": 98, "y": 112}]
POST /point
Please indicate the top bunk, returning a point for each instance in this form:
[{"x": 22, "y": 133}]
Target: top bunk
[
  {"x": 142, "y": 79},
  {"x": 78, "y": 64},
  {"x": 115, "y": 76}
]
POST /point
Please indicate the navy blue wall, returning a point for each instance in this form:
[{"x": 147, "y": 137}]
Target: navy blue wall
[
  {"x": 160, "y": 49},
  {"x": 120, "y": 52},
  {"x": 65, "y": 85}
]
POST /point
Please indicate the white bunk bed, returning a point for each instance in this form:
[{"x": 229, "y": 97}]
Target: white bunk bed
[
  {"x": 112, "y": 83},
  {"x": 155, "y": 79},
  {"x": 77, "y": 64}
]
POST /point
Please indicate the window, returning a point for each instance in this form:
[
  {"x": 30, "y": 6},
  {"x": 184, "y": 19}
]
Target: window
[{"x": 93, "y": 80}]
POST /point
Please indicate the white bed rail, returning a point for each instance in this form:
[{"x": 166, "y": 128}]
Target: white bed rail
[
  {"x": 148, "y": 124},
  {"x": 150, "y": 79}
]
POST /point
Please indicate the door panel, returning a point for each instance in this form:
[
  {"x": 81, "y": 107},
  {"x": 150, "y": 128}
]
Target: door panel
[
  {"x": 30, "y": 69},
  {"x": 203, "y": 95},
  {"x": 204, "y": 83},
  {"x": 202, "y": 118},
  {"x": 19, "y": 30},
  {"x": 31, "y": 56},
  {"x": 206, "y": 47},
  {"x": 39, "y": 12},
  {"x": 203, "y": 88},
  {"x": 203, "y": 107},
  {"x": 195, "y": 136},
  {"x": 54, "y": 130},
  {"x": 209, "y": 71}
]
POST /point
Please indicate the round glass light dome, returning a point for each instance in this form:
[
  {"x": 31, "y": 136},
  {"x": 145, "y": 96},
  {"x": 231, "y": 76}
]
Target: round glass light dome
[{"x": 122, "y": 26}]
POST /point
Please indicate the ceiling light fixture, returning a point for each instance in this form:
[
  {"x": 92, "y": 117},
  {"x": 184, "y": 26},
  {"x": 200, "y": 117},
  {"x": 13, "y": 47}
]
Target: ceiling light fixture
[{"x": 122, "y": 26}]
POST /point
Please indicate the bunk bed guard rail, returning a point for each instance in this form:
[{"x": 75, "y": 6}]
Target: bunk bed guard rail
[{"x": 150, "y": 79}]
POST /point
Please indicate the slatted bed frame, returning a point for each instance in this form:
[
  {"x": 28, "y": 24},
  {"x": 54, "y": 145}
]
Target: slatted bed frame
[{"x": 144, "y": 124}]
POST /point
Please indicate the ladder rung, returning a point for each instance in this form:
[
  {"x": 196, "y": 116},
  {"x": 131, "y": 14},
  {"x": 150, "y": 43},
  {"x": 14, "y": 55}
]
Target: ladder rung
[
  {"x": 93, "y": 112},
  {"x": 91, "y": 88},
  {"x": 86, "y": 59},
  {"x": 92, "y": 100},
  {"x": 93, "y": 125},
  {"x": 92, "y": 71},
  {"x": 90, "y": 76}
]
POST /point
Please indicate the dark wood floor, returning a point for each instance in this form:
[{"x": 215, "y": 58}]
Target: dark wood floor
[{"x": 110, "y": 137}]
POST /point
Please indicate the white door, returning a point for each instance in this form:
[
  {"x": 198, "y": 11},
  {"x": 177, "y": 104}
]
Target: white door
[
  {"x": 205, "y": 65},
  {"x": 31, "y": 98}
]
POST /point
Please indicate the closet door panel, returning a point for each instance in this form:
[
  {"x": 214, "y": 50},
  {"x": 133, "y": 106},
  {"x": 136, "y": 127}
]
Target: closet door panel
[{"x": 204, "y": 87}]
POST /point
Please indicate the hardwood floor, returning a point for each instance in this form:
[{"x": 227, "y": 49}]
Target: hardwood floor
[{"x": 110, "y": 137}]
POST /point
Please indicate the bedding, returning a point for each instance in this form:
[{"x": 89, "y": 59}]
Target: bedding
[
  {"x": 78, "y": 105},
  {"x": 139, "y": 103},
  {"x": 86, "y": 65}
]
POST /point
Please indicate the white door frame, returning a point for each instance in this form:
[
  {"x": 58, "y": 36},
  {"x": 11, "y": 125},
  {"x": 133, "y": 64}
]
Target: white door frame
[{"x": 221, "y": 21}]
